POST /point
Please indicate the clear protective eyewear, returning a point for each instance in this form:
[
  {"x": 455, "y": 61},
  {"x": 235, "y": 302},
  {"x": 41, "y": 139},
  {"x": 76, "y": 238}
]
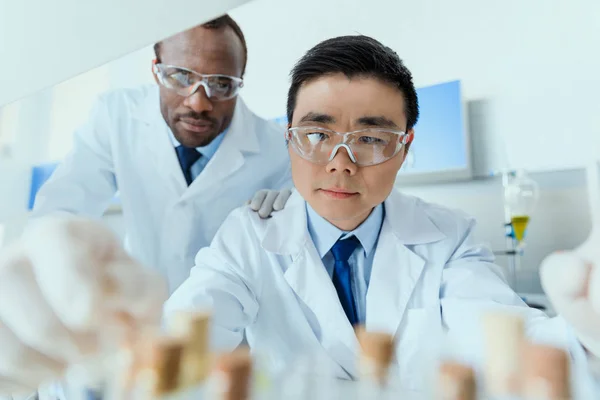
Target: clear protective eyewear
[
  {"x": 186, "y": 82},
  {"x": 365, "y": 147}
]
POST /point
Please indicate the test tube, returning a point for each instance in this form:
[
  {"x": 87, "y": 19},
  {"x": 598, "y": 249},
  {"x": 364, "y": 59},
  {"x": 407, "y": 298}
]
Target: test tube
[
  {"x": 194, "y": 329},
  {"x": 377, "y": 350},
  {"x": 546, "y": 373},
  {"x": 232, "y": 375},
  {"x": 456, "y": 382},
  {"x": 158, "y": 370},
  {"x": 504, "y": 342}
]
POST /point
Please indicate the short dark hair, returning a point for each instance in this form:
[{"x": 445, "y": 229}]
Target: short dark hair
[
  {"x": 355, "y": 55},
  {"x": 218, "y": 23}
]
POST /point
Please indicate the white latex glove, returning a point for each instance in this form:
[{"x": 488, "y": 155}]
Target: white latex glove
[
  {"x": 266, "y": 201},
  {"x": 65, "y": 287},
  {"x": 572, "y": 282}
]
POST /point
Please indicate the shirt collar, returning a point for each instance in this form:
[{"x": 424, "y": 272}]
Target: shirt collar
[
  {"x": 324, "y": 234},
  {"x": 207, "y": 151}
]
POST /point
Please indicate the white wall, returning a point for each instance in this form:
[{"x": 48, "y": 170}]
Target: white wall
[
  {"x": 534, "y": 64},
  {"x": 46, "y": 42}
]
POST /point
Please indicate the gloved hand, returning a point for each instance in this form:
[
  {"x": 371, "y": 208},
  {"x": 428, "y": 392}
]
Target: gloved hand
[
  {"x": 572, "y": 282},
  {"x": 64, "y": 287},
  {"x": 266, "y": 201}
]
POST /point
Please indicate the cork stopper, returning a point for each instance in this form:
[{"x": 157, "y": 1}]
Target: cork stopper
[
  {"x": 234, "y": 372},
  {"x": 159, "y": 361},
  {"x": 546, "y": 373},
  {"x": 190, "y": 323},
  {"x": 194, "y": 328},
  {"x": 377, "y": 352},
  {"x": 456, "y": 382},
  {"x": 504, "y": 341}
]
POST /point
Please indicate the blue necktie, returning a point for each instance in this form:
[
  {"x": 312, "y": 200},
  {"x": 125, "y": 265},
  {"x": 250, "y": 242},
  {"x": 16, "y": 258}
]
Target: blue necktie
[
  {"x": 342, "y": 276},
  {"x": 187, "y": 157}
]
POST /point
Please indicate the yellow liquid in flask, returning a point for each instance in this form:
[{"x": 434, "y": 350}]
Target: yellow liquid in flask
[{"x": 519, "y": 225}]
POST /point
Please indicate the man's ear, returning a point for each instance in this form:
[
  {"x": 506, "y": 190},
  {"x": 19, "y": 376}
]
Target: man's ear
[
  {"x": 155, "y": 71},
  {"x": 410, "y": 135},
  {"x": 287, "y": 138}
]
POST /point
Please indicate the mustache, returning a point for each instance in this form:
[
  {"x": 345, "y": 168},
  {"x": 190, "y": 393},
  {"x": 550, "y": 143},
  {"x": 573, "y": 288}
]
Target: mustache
[{"x": 197, "y": 117}]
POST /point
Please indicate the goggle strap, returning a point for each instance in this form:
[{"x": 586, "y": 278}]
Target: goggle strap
[{"x": 407, "y": 138}]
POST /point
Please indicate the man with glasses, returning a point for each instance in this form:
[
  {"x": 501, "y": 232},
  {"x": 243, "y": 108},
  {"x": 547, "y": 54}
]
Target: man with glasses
[{"x": 181, "y": 154}]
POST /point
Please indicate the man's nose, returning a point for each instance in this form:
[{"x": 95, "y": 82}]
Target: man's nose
[
  {"x": 198, "y": 101},
  {"x": 342, "y": 162}
]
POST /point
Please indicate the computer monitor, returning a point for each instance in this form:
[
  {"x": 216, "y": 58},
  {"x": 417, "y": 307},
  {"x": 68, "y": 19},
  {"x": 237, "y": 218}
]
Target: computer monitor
[
  {"x": 440, "y": 151},
  {"x": 40, "y": 175}
]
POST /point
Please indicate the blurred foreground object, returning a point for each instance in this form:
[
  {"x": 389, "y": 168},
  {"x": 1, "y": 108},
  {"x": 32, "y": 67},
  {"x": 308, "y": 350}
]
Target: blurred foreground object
[
  {"x": 504, "y": 340},
  {"x": 234, "y": 372},
  {"x": 456, "y": 382},
  {"x": 546, "y": 373},
  {"x": 69, "y": 291},
  {"x": 516, "y": 368},
  {"x": 377, "y": 352},
  {"x": 194, "y": 328},
  {"x": 571, "y": 279}
]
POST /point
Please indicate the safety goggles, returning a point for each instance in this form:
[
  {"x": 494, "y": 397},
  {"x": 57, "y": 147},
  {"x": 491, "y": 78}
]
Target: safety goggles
[
  {"x": 365, "y": 147},
  {"x": 186, "y": 82}
]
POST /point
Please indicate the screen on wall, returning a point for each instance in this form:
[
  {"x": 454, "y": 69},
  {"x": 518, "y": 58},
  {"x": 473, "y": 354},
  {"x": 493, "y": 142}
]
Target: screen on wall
[
  {"x": 40, "y": 174},
  {"x": 440, "y": 150}
]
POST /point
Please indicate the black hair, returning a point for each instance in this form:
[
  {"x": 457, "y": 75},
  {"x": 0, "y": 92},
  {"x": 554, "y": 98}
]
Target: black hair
[
  {"x": 218, "y": 23},
  {"x": 353, "y": 56}
]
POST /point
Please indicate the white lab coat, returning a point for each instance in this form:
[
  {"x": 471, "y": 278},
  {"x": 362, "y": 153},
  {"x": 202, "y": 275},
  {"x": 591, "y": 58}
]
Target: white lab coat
[
  {"x": 428, "y": 277},
  {"x": 125, "y": 146}
]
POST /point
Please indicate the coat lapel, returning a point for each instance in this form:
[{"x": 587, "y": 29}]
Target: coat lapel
[
  {"x": 288, "y": 235},
  {"x": 396, "y": 268},
  {"x": 396, "y": 271},
  {"x": 313, "y": 286},
  {"x": 152, "y": 134}
]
